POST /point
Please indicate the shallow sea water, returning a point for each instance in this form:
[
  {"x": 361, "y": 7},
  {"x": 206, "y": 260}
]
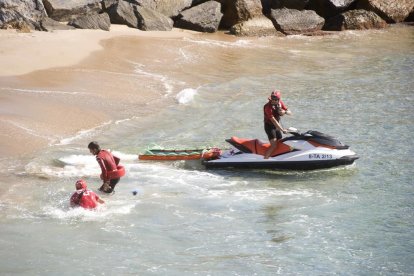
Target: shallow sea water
[{"x": 185, "y": 220}]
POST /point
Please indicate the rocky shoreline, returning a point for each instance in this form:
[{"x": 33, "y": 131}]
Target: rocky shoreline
[{"x": 238, "y": 17}]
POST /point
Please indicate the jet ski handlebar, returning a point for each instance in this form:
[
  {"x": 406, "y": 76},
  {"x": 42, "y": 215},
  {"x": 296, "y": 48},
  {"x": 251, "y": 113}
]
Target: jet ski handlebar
[{"x": 293, "y": 131}]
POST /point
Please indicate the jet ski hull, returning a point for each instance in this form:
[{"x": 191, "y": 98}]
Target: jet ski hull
[
  {"x": 311, "y": 150},
  {"x": 281, "y": 165}
]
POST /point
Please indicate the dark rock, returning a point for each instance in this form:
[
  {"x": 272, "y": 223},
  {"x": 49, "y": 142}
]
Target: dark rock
[
  {"x": 139, "y": 17},
  {"x": 92, "y": 21},
  {"x": 198, "y": 2},
  {"x": 124, "y": 13},
  {"x": 172, "y": 8},
  {"x": 410, "y": 17},
  {"x": 330, "y": 8},
  {"x": 149, "y": 4},
  {"x": 257, "y": 26},
  {"x": 202, "y": 18},
  {"x": 291, "y": 22},
  {"x": 49, "y": 25},
  {"x": 355, "y": 20},
  {"x": 289, "y": 4},
  {"x": 150, "y": 20},
  {"x": 236, "y": 11},
  {"x": 18, "y": 24},
  {"x": 266, "y": 6},
  {"x": 21, "y": 14},
  {"x": 64, "y": 10},
  {"x": 392, "y": 11},
  {"x": 107, "y": 4}
]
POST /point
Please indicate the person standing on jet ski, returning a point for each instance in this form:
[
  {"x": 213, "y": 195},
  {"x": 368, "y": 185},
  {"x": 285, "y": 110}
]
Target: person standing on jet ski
[{"x": 272, "y": 112}]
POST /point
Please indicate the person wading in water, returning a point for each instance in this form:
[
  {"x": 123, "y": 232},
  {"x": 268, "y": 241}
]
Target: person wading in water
[{"x": 111, "y": 171}]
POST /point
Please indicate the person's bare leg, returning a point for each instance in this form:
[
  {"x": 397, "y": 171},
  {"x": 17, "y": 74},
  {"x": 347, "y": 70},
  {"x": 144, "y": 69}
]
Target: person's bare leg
[{"x": 273, "y": 146}]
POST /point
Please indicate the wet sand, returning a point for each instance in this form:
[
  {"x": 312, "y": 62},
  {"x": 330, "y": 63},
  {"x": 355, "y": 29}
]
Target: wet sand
[{"x": 43, "y": 95}]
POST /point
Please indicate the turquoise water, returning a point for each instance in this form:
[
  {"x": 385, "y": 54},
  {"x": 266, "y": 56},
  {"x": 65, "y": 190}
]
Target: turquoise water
[{"x": 186, "y": 220}]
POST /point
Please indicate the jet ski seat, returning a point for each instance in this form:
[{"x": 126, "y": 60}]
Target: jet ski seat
[{"x": 257, "y": 146}]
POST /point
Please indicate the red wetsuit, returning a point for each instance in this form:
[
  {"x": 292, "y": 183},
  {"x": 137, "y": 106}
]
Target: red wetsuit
[
  {"x": 108, "y": 163},
  {"x": 84, "y": 198},
  {"x": 272, "y": 111}
]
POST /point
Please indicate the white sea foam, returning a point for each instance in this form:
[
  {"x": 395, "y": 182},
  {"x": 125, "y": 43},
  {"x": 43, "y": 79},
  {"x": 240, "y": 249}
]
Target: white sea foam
[
  {"x": 102, "y": 212},
  {"x": 186, "y": 56},
  {"x": 69, "y": 171},
  {"x": 186, "y": 96},
  {"x": 78, "y": 160},
  {"x": 164, "y": 80}
]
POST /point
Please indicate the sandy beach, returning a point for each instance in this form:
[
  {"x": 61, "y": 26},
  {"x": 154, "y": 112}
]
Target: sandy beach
[
  {"x": 22, "y": 53},
  {"x": 34, "y": 110}
]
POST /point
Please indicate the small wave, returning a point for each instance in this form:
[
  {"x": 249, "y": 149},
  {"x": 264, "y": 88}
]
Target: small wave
[
  {"x": 125, "y": 156},
  {"x": 103, "y": 72},
  {"x": 31, "y": 131},
  {"x": 43, "y": 91},
  {"x": 68, "y": 171},
  {"x": 78, "y": 160},
  {"x": 75, "y": 166},
  {"x": 241, "y": 43},
  {"x": 260, "y": 194},
  {"x": 186, "y": 95},
  {"x": 125, "y": 120},
  {"x": 82, "y": 134},
  {"x": 295, "y": 51},
  {"x": 90, "y": 132}
]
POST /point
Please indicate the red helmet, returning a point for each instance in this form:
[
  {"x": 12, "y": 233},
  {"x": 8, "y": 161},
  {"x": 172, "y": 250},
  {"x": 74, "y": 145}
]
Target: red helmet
[
  {"x": 80, "y": 184},
  {"x": 275, "y": 95}
]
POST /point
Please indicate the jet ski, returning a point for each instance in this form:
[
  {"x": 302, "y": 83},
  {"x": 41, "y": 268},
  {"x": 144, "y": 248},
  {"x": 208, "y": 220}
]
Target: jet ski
[{"x": 299, "y": 151}]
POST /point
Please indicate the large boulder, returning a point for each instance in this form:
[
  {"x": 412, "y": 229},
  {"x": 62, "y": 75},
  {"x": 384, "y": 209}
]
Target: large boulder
[
  {"x": 123, "y": 13},
  {"x": 355, "y": 20},
  {"x": 330, "y": 8},
  {"x": 21, "y": 14},
  {"x": 150, "y": 20},
  {"x": 149, "y": 4},
  {"x": 170, "y": 8},
  {"x": 202, "y": 18},
  {"x": 392, "y": 11},
  {"x": 257, "y": 26},
  {"x": 410, "y": 17},
  {"x": 136, "y": 16},
  {"x": 107, "y": 4},
  {"x": 49, "y": 25},
  {"x": 289, "y": 4},
  {"x": 64, "y": 10},
  {"x": 236, "y": 11},
  {"x": 292, "y": 22},
  {"x": 92, "y": 21}
]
